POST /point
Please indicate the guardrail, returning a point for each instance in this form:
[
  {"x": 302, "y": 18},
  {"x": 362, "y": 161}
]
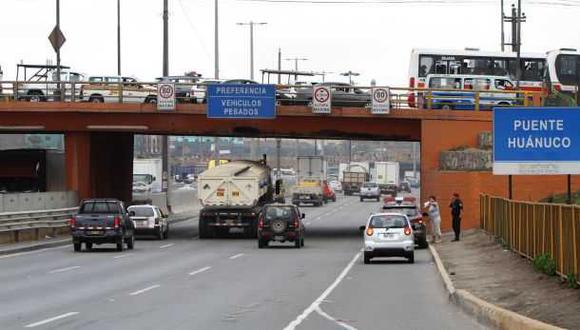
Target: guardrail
[
  {"x": 533, "y": 229},
  {"x": 35, "y": 222},
  {"x": 195, "y": 93}
]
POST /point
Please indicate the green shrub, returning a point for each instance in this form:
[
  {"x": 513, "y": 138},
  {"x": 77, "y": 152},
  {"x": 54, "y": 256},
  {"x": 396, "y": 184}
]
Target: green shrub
[
  {"x": 572, "y": 281},
  {"x": 545, "y": 263}
]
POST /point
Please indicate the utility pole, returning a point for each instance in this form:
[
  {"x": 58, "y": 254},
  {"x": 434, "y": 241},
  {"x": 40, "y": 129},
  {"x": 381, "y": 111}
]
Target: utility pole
[
  {"x": 502, "y": 30},
  {"x": 165, "y": 182},
  {"x": 61, "y": 94},
  {"x": 315, "y": 147},
  {"x": 350, "y": 74},
  {"x": 216, "y": 44},
  {"x": 118, "y": 37},
  {"x": 279, "y": 65},
  {"x": 296, "y": 59},
  {"x": 278, "y": 147},
  {"x": 516, "y": 20},
  {"x": 251, "y": 25},
  {"x": 349, "y": 152}
]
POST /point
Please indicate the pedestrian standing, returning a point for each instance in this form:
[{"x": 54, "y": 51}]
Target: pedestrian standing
[
  {"x": 434, "y": 218},
  {"x": 456, "y": 206}
]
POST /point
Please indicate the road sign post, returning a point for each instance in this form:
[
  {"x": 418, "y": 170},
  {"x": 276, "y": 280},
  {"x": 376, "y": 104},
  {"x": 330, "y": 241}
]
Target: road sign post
[
  {"x": 321, "y": 99},
  {"x": 536, "y": 141},
  {"x": 165, "y": 97},
  {"x": 239, "y": 101},
  {"x": 380, "y": 104}
]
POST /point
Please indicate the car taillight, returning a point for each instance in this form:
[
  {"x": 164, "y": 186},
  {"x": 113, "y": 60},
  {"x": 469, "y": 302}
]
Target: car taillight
[
  {"x": 116, "y": 222},
  {"x": 370, "y": 231},
  {"x": 73, "y": 222},
  {"x": 558, "y": 87},
  {"x": 261, "y": 222},
  {"x": 407, "y": 230},
  {"x": 412, "y": 82},
  {"x": 296, "y": 223}
]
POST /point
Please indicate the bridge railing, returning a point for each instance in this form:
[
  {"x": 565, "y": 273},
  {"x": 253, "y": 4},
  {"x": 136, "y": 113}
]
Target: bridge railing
[
  {"x": 196, "y": 93},
  {"x": 35, "y": 223},
  {"x": 534, "y": 229}
]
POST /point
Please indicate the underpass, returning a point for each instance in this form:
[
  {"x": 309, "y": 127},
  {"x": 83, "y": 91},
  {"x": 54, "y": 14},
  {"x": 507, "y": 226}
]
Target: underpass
[{"x": 187, "y": 283}]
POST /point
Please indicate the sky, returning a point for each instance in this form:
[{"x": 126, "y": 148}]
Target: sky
[{"x": 373, "y": 39}]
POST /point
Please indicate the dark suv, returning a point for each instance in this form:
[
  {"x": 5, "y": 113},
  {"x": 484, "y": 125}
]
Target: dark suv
[
  {"x": 408, "y": 207},
  {"x": 280, "y": 223}
]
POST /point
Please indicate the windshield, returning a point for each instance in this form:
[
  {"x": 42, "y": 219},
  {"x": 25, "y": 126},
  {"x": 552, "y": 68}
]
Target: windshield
[
  {"x": 102, "y": 207},
  {"x": 370, "y": 185},
  {"x": 387, "y": 221},
  {"x": 142, "y": 211},
  {"x": 567, "y": 69},
  {"x": 142, "y": 178},
  {"x": 279, "y": 212}
]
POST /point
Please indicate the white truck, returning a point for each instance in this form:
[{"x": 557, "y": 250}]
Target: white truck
[
  {"x": 387, "y": 177},
  {"x": 147, "y": 176},
  {"x": 310, "y": 181},
  {"x": 232, "y": 196},
  {"x": 106, "y": 89}
]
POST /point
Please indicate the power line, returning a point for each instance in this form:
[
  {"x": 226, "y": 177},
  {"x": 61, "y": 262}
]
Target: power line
[{"x": 560, "y": 3}]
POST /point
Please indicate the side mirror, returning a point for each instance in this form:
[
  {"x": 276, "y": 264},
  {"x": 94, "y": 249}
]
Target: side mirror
[
  {"x": 361, "y": 228},
  {"x": 303, "y": 216},
  {"x": 132, "y": 213}
]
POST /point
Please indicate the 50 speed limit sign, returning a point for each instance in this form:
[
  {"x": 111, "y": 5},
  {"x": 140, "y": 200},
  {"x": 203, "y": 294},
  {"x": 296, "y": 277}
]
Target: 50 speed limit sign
[{"x": 381, "y": 100}]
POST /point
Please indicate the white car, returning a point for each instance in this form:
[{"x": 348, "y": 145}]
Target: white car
[
  {"x": 149, "y": 220},
  {"x": 370, "y": 190},
  {"x": 335, "y": 185},
  {"x": 105, "y": 89},
  {"x": 388, "y": 235}
]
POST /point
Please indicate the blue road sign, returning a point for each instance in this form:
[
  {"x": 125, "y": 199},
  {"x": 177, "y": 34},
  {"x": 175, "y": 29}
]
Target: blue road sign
[
  {"x": 536, "y": 141},
  {"x": 242, "y": 101}
]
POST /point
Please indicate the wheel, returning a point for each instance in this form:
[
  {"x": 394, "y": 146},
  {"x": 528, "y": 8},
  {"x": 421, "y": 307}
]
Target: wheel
[
  {"x": 367, "y": 259},
  {"x": 151, "y": 100},
  {"x": 131, "y": 242},
  {"x": 89, "y": 246},
  {"x": 411, "y": 258},
  {"x": 423, "y": 244},
  {"x": 35, "y": 96},
  {"x": 334, "y": 198},
  {"x": 166, "y": 235},
  {"x": 447, "y": 107},
  {"x": 96, "y": 99},
  {"x": 120, "y": 245},
  {"x": 302, "y": 242},
  {"x": 160, "y": 233},
  {"x": 297, "y": 243},
  {"x": 262, "y": 244},
  {"x": 77, "y": 247},
  {"x": 203, "y": 230},
  {"x": 361, "y": 199}
]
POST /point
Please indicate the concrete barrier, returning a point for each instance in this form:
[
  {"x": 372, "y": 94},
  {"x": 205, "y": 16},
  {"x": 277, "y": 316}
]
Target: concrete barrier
[
  {"x": 181, "y": 200},
  {"x": 18, "y": 202}
]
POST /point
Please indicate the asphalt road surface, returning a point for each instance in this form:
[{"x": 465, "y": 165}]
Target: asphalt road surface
[{"x": 187, "y": 283}]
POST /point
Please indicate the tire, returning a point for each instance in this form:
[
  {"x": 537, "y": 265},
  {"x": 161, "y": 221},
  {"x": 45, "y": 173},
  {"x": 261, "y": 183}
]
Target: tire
[
  {"x": 423, "y": 244},
  {"x": 411, "y": 258},
  {"x": 262, "y": 244},
  {"x": 77, "y": 247},
  {"x": 203, "y": 230},
  {"x": 89, "y": 246},
  {"x": 35, "y": 96},
  {"x": 367, "y": 258},
  {"x": 446, "y": 107},
  {"x": 160, "y": 233},
  {"x": 301, "y": 241},
  {"x": 361, "y": 199},
  {"x": 297, "y": 243},
  {"x": 131, "y": 242},
  {"x": 96, "y": 99},
  {"x": 151, "y": 100},
  {"x": 120, "y": 245}
]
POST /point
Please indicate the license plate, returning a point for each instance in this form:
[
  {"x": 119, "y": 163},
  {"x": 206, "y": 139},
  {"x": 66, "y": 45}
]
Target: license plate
[
  {"x": 220, "y": 194},
  {"x": 94, "y": 232},
  {"x": 391, "y": 236},
  {"x": 142, "y": 224},
  {"x": 279, "y": 238}
]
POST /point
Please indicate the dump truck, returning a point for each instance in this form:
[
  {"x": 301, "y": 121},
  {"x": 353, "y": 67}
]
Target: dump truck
[
  {"x": 232, "y": 196},
  {"x": 353, "y": 178},
  {"x": 310, "y": 176}
]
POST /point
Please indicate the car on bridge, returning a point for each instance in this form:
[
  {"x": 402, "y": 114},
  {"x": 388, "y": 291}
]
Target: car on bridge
[
  {"x": 388, "y": 235},
  {"x": 106, "y": 89},
  {"x": 100, "y": 221},
  {"x": 184, "y": 87},
  {"x": 280, "y": 223},
  {"x": 408, "y": 206},
  {"x": 342, "y": 94},
  {"x": 149, "y": 220}
]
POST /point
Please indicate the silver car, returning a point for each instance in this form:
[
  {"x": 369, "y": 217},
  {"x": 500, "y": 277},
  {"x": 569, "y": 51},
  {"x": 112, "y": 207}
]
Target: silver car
[
  {"x": 370, "y": 190},
  {"x": 149, "y": 220},
  {"x": 388, "y": 235}
]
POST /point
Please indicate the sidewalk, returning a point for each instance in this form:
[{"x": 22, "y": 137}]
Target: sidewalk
[{"x": 481, "y": 266}]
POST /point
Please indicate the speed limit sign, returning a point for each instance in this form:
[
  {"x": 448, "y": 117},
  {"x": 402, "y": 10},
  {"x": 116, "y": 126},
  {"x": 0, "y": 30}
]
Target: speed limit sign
[{"x": 381, "y": 100}]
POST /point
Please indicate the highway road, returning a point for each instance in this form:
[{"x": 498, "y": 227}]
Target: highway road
[{"x": 188, "y": 283}]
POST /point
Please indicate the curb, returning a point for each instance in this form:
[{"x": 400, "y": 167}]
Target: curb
[{"x": 485, "y": 312}]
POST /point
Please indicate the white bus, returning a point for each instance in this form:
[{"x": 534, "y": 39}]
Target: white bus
[
  {"x": 475, "y": 62},
  {"x": 563, "y": 69}
]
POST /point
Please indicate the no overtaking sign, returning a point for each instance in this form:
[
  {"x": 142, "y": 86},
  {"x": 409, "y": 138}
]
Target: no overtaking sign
[{"x": 321, "y": 99}]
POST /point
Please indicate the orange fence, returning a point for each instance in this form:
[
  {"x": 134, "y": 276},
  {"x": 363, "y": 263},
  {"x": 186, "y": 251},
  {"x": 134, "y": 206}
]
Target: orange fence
[{"x": 532, "y": 229}]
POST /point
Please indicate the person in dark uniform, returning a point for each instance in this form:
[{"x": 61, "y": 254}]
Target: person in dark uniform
[{"x": 456, "y": 206}]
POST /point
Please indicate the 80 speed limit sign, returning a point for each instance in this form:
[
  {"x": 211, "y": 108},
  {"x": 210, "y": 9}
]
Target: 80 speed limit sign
[{"x": 380, "y": 100}]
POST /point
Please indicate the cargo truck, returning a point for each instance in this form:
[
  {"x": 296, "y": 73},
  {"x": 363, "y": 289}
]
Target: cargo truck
[
  {"x": 310, "y": 178},
  {"x": 232, "y": 196},
  {"x": 147, "y": 174},
  {"x": 387, "y": 177},
  {"x": 353, "y": 180}
]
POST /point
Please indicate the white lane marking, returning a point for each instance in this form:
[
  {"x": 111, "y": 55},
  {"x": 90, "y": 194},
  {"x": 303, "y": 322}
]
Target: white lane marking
[
  {"x": 292, "y": 325},
  {"x": 122, "y": 256},
  {"x": 66, "y": 269},
  {"x": 52, "y": 319},
  {"x": 236, "y": 256},
  {"x": 144, "y": 290},
  {"x": 167, "y": 245},
  {"x": 201, "y": 270},
  {"x": 32, "y": 252},
  {"x": 330, "y": 318}
]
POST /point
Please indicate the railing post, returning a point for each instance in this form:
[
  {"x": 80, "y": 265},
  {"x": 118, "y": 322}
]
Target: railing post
[
  {"x": 73, "y": 92},
  {"x": 429, "y": 100},
  {"x": 561, "y": 250},
  {"x": 120, "y": 91},
  {"x": 574, "y": 242},
  {"x": 526, "y": 101},
  {"x": 15, "y": 90}
]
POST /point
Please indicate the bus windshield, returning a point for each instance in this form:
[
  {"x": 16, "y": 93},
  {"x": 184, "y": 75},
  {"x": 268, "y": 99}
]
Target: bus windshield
[{"x": 567, "y": 69}]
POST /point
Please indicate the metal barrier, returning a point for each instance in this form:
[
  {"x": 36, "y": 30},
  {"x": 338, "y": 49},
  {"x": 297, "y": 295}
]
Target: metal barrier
[
  {"x": 53, "y": 220},
  {"x": 195, "y": 93},
  {"x": 533, "y": 229}
]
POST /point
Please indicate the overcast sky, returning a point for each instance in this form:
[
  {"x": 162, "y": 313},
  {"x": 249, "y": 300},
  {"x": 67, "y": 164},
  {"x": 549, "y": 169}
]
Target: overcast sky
[{"x": 373, "y": 39}]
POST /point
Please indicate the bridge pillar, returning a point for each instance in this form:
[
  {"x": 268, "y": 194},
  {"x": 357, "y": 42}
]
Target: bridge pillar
[{"x": 99, "y": 164}]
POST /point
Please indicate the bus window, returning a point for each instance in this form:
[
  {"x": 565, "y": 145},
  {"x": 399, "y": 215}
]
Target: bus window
[
  {"x": 502, "y": 84},
  {"x": 425, "y": 65},
  {"x": 532, "y": 69}
]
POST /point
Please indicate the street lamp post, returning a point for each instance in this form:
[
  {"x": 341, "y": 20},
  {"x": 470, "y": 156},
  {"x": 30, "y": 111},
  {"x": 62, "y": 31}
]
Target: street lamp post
[
  {"x": 216, "y": 44},
  {"x": 118, "y": 37},
  {"x": 251, "y": 25},
  {"x": 350, "y": 74}
]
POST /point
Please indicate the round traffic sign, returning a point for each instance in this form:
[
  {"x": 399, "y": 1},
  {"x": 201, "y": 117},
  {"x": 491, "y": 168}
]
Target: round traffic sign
[
  {"x": 380, "y": 95},
  {"x": 166, "y": 91},
  {"x": 321, "y": 94}
]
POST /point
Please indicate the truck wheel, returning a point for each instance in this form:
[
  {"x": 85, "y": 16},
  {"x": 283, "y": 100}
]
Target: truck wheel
[
  {"x": 411, "y": 258},
  {"x": 261, "y": 244},
  {"x": 77, "y": 247},
  {"x": 367, "y": 259},
  {"x": 120, "y": 245},
  {"x": 89, "y": 246},
  {"x": 203, "y": 230},
  {"x": 423, "y": 244},
  {"x": 131, "y": 242}
]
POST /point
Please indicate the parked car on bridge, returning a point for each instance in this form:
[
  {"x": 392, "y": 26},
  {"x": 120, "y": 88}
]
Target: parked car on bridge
[
  {"x": 199, "y": 91},
  {"x": 41, "y": 82},
  {"x": 280, "y": 223},
  {"x": 343, "y": 94},
  {"x": 282, "y": 96},
  {"x": 408, "y": 206},
  {"x": 370, "y": 190},
  {"x": 149, "y": 220},
  {"x": 105, "y": 89},
  {"x": 388, "y": 235},
  {"x": 102, "y": 220},
  {"x": 184, "y": 87},
  {"x": 490, "y": 90}
]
